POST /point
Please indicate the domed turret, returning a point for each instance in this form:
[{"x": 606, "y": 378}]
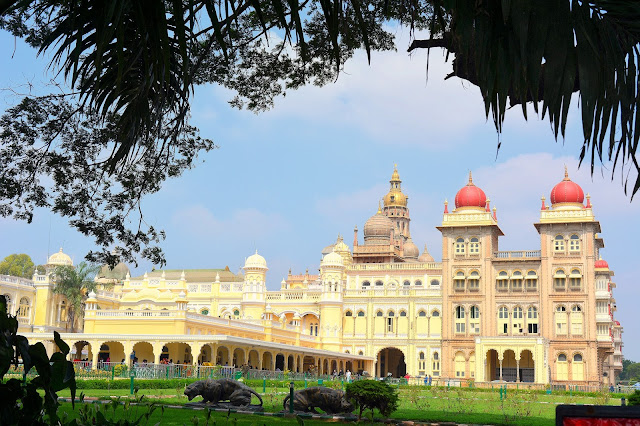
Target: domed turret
[
  {"x": 59, "y": 259},
  {"x": 377, "y": 230},
  {"x": 601, "y": 264},
  {"x": 332, "y": 259},
  {"x": 425, "y": 256},
  {"x": 410, "y": 250},
  {"x": 395, "y": 197},
  {"x": 470, "y": 196},
  {"x": 255, "y": 261},
  {"x": 567, "y": 192}
]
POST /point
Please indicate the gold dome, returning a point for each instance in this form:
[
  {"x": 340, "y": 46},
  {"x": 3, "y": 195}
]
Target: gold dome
[
  {"x": 395, "y": 198},
  {"x": 395, "y": 177}
]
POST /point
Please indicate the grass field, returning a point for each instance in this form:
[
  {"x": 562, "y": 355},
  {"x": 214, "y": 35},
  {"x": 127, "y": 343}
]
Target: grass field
[{"x": 416, "y": 403}]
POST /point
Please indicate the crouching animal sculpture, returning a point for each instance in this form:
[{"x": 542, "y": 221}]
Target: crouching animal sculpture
[
  {"x": 330, "y": 401},
  {"x": 214, "y": 391}
]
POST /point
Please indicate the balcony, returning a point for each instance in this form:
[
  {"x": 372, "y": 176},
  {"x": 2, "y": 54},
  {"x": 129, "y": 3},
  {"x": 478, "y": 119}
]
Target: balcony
[{"x": 517, "y": 255}]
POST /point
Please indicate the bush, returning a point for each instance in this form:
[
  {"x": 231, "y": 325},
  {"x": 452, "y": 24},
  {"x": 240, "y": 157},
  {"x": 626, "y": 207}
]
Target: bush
[
  {"x": 372, "y": 395},
  {"x": 634, "y": 398},
  {"x": 139, "y": 383}
]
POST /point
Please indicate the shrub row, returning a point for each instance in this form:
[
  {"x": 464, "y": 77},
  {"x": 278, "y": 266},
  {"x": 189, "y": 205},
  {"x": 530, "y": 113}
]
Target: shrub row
[{"x": 139, "y": 383}]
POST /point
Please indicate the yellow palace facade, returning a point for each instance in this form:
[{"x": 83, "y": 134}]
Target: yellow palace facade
[{"x": 543, "y": 316}]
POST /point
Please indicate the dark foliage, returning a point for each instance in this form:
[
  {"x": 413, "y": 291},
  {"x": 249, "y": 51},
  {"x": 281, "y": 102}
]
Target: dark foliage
[{"x": 372, "y": 395}]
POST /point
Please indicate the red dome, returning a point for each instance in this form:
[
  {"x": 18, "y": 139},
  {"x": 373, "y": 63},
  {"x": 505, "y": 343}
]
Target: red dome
[
  {"x": 567, "y": 191},
  {"x": 470, "y": 196},
  {"x": 601, "y": 264}
]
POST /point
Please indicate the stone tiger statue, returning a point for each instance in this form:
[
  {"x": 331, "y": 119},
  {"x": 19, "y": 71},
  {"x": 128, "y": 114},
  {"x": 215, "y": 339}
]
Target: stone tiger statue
[
  {"x": 214, "y": 391},
  {"x": 330, "y": 401}
]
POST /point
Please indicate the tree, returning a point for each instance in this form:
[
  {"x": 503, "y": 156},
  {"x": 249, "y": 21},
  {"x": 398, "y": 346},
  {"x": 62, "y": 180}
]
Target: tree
[
  {"x": 372, "y": 395},
  {"x": 122, "y": 126},
  {"x": 75, "y": 284},
  {"x": 17, "y": 265}
]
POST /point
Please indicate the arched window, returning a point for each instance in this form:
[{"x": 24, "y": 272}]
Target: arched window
[
  {"x": 503, "y": 320},
  {"x": 458, "y": 281},
  {"x": 422, "y": 363},
  {"x": 406, "y": 283},
  {"x": 366, "y": 285},
  {"x": 574, "y": 243},
  {"x": 435, "y": 364},
  {"x": 559, "y": 280},
  {"x": 403, "y": 314},
  {"x": 379, "y": 283},
  {"x": 63, "y": 311},
  {"x": 24, "y": 308},
  {"x": 474, "y": 320},
  {"x": 577, "y": 369},
  {"x": 360, "y": 313},
  {"x": 562, "y": 358},
  {"x": 418, "y": 283},
  {"x": 459, "y": 364},
  {"x": 576, "y": 320},
  {"x": 348, "y": 314},
  {"x": 391, "y": 314},
  {"x": 558, "y": 244},
  {"x": 562, "y": 370},
  {"x": 460, "y": 320},
  {"x": 390, "y": 322},
  {"x": 502, "y": 282},
  {"x": 577, "y": 358},
  {"x": 459, "y": 246},
  {"x": 379, "y": 313},
  {"x": 474, "y": 246},
  {"x": 474, "y": 281},
  {"x": 435, "y": 282},
  {"x": 561, "y": 320},
  {"x": 421, "y": 355},
  {"x": 532, "y": 320},
  {"x": 236, "y": 313},
  {"x": 435, "y": 313},
  {"x": 518, "y": 321},
  {"x": 204, "y": 312},
  {"x": 422, "y": 314},
  {"x": 516, "y": 281},
  {"x": 360, "y": 353},
  {"x": 575, "y": 280},
  {"x": 531, "y": 281}
]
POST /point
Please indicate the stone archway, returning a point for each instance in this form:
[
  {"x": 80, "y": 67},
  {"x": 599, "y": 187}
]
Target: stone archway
[
  {"x": 267, "y": 361},
  {"x": 222, "y": 357},
  {"x": 114, "y": 351},
  {"x": 391, "y": 360},
  {"x": 527, "y": 367},
  {"x": 280, "y": 362},
  {"x": 82, "y": 351},
  {"x": 290, "y": 363},
  {"x": 492, "y": 371},
  {"x": 238, "y": 357},
  {"x": 509, "y": 366},
  {"x": 254, "y": 359},
  {"x": 144, "y": 352}
]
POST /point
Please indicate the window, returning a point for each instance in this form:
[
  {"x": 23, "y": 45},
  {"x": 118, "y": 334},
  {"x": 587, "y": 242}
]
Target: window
[
  {"x": 561, "y": 320},
  {"x": 474, "y": 246},
  {"x": 236, "y": 313},
  {"x": 503, "y": 320},
  {"x": 435, "y": 282},
  {"x": 24, "y": 308},
  {"x": 435, "y": 364},
  {"x": 502, "y": 283},
  {"x": 406, "y": 283},
  {"x": 474, "y": 320},
  {"x": 422, "y": 314},
  {"x": 313, "y": 329},
  {"x": 531, "y": 282},
  {"x": 532, "y": 320},
  {"x": 559, "y": 280},
  {"x": 348, "y": 314},
  {"x": 576, "y": 320},
  {"x": 360, "y": 313},
  {"x": 474, "y": 281},
  {"x": 390, "y": 316},
  {"x": 577, "y": 358},
  {"x": 601, "y": 307},
  {"x": 422, "y": 363},
  {"x": 379, "y": 283},
  {"x": 458, "y": 281},
  {"x": 562, "y": 368},
  {"x": 575, "y": 280},
  {"x": 558, "y": 244},
  {"x": 403, "y": 313},
  {"x": 460, "y": 321},
  {"x": 204, "y": 312},
  {"x": 518, "y": 323},
  {"x": 574, "y": 243},
  {"x": 418, "y": 283},
  {"x": 366, "y": 285},
  {"x": 379, "y": 313},
  {"x": 435, "y": 313},
  {"x": 516, "y": 281},
  {"x": 459, "y": 246},
  {"x": 459, "y": 364},
  {"x": 577, "y": 369}
]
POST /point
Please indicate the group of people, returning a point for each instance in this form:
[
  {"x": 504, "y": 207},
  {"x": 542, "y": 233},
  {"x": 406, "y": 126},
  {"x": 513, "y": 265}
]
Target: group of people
[{"x": 346, "y": 375}]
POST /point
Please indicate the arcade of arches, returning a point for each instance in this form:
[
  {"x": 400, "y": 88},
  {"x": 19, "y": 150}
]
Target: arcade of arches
[{"x": 390, "y": 361}]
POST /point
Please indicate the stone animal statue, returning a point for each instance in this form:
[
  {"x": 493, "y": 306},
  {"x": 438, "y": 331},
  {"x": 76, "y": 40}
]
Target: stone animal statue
[
  {"x": 330, "y": 401},
  {"x": 214, "y": 391}
]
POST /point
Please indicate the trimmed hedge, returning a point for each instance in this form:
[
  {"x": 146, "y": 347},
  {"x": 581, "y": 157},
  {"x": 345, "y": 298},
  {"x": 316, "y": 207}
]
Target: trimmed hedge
[{"x": 138, "y": 383}]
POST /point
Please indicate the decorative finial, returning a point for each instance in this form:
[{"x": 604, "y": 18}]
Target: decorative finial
[
  {"x": 589, "y": 201},
  {"x": 495, "y": 217},
  {"x": 566, "y": 173},
  {"x": 446, "y": 206},
  {"x": 543, "y": 207},
  {"x": 379, "y": 208},
  {"x": 470, "y": 178},
  {"x": 395, "y": 166},
  {"x": 487, "y": 206}
]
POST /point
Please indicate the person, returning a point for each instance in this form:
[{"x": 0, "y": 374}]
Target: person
[
  {"x": 426, "y": 380},
  {"x": 348, "y": 376},
  {"x": 430, "y": 379}
]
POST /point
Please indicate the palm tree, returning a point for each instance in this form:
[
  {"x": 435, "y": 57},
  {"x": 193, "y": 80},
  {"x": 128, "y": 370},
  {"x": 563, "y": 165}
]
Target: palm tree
[{"x": 75, "y": 284}]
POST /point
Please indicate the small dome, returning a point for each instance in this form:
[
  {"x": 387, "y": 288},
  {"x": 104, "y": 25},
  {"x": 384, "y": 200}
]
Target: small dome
[
  {"x": 255, "y": 261},
  {"x": 182, "y": 295},
  {"x": 567, "y": 191},
  {"x": 601, "y": 264},
  {"x": 411, "y": 251},
  {"x": 328, "y": 249},
  {"x": 92, "y": 294},
  {"x": 617, "y": 322},
  {"x": 395, "y": 198},
  {"x": 378, "y": 228},
  {"x": 471, "y": 196},
  {"x": 60, "y": 259},
  {"x": 425, "y": 256},
  {"x": 332, "y": 259}
]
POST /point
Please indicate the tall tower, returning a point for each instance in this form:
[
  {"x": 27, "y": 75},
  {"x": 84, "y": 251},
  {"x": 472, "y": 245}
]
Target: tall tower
[
  {"x": 331, "y": 273},
  {"x": 254, "y": 288},
  {"x": 395, "y": 207}
]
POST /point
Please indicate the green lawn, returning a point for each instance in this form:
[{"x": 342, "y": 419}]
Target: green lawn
[{"x": 416, "y": 403}]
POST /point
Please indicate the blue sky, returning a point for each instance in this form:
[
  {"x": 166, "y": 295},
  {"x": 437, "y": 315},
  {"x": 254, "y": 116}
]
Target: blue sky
[{"x": 287, "y": 181}]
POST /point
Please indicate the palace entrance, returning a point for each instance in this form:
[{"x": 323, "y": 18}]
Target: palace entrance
[{"x": 391, "y": 360}]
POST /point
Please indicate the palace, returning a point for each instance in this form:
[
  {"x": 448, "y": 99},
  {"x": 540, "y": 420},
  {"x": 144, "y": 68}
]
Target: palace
[{"x": 543, "y": 316}]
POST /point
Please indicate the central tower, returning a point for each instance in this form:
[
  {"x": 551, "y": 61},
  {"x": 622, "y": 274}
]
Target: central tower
[{"x": 395, "y": 207}]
